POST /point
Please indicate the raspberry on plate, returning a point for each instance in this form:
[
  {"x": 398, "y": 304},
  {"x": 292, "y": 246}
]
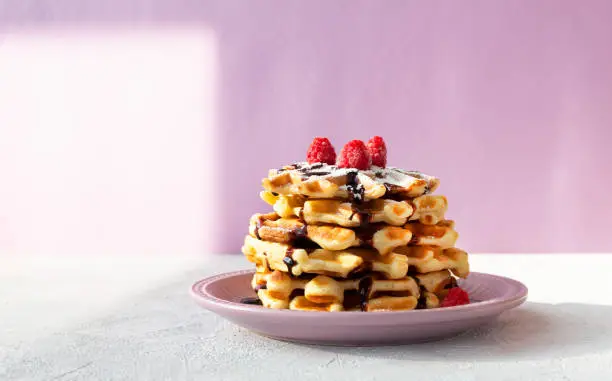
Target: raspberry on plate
[
  {"x": 378, "y": 151},
  {"x": 354, "y": 154},
  {"x": 321, "y": 151},
  {"x": 455, "y": 297}
]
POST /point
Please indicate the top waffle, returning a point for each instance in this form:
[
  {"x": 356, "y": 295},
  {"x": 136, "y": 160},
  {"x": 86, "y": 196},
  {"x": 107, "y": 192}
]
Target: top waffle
[{"x": 322, "y": 180}]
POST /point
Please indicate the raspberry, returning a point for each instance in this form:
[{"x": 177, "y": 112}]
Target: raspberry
[
  {"x": 455, "y": 297},
  {"x": 354, "y": 154},
  {"x": 378, "y": 151},
  {"x": 321, "y": 151}
]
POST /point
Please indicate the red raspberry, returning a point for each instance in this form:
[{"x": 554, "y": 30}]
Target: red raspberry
[
  {"x": 455, "y": 297},
  {"x": 354, "y": 154},
  {"x": 378, "y": 151},
  {"x": 321, "y": 151}
]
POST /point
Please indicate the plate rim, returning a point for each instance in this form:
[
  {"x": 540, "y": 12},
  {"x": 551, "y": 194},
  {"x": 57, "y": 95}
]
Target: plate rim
[{"x": 211, "y": 302}]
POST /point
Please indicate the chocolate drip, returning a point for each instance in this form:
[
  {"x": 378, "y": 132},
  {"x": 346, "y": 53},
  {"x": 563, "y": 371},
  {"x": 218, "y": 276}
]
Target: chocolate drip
[
  {"x": 365, "y": 286},
  {"x": 307, "y": 174},
  {"x": 391, "y": 188},
  {"x": 354, "y": 187},
  {"x": 266, "y": 261},
  {"x": 312, "y": 170},
  {"x": 422, "y": 303},
  {"x": 253, "y": 301},
  {"x": 310, "y": 246},
  {"x": 360, "y": 270},
  {"x": 289, "y": 167},
  {"x": 288, "y": 260},
  {"x": 364, "y": 213},
  {"x": 351, "y": 178},
  {"x": 299, "y": 233},
  {"x": 366, "y": 231},
  {"x": 301, "y": 215},
  {"x": 356, "y": 196},
  {"x": 295, "y": 293}
]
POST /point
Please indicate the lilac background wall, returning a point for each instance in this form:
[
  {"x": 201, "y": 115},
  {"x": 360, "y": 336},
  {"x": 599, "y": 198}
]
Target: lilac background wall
[{"x": 508, "y": 102}]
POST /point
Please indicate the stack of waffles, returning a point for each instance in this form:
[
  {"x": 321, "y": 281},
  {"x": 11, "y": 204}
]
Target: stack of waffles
[{"x": 351, "y": 239}]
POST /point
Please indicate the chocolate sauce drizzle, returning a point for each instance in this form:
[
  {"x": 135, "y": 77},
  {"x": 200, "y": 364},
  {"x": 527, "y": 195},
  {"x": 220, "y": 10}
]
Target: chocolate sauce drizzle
[
  {"x": 301, "y": 215},
  {"x": 364, "y": 213},
  {"x": 307, "y": 170},
  {"x": 365, "y": 286},
  {"x": 422, "y": 301},
  {"x": 288, "y": 260},
  {"x": 356, "y": 196},
  {"x": 354, "y": 187},
  {"x": 254, "y": 301},
  {"x": 366, "y": 232},
  {"x": 299, "y": 233},
  {"x": 267, "y": 263},
  {"x": 360, "y": 270}
]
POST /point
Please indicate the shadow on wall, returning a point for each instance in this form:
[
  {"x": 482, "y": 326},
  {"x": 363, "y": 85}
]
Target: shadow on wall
[{"x": 506, "y": 103}]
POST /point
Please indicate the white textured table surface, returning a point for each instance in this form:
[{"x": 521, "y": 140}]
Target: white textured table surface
[{"x": 95, "y": 318}]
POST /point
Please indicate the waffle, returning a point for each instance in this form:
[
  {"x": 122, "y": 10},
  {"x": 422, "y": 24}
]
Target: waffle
[
  {"x": 340, "y": 263},
  {"x": 354, "y": 261},
  {"x": 271, "y": 227},
  {"x": 328, "y": 181},
  {"x": 428, "y": 209},
  {"x": 442, "y": 234},
  {"x": 279, "y": 290},
  {"x": 426, "y": 259}
]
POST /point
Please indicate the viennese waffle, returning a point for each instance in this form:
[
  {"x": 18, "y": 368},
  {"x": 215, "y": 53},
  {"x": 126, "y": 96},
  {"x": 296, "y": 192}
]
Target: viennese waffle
[{"x": 345, "y": 239}]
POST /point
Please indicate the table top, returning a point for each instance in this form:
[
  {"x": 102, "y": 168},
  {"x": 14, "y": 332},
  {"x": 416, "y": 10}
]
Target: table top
[{"x": 131, "y": 318}]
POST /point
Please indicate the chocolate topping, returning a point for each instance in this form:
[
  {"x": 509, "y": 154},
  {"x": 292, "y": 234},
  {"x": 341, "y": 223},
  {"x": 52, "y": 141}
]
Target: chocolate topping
[
  {"x": 254, "y": 301},
  {"x": 288, "y": 260},
  {"x": 354, "y": 187},
  {"x": 360, "y": 270},
  {"x": 365, "y": 285}
]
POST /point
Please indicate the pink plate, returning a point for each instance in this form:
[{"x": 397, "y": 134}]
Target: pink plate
[{"x": 493, "y": 294}]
